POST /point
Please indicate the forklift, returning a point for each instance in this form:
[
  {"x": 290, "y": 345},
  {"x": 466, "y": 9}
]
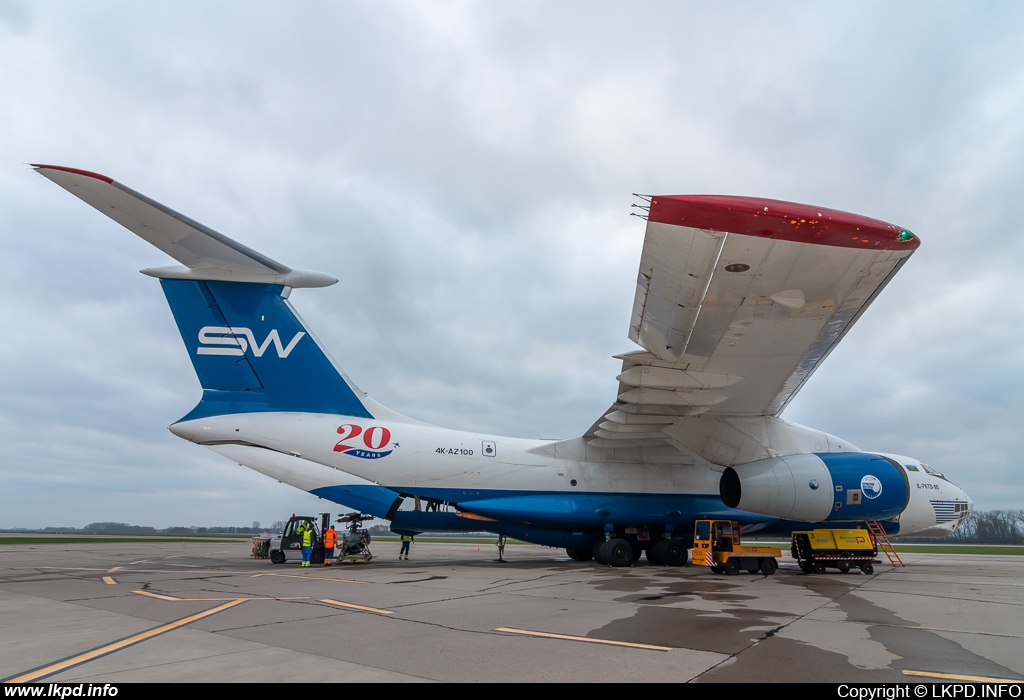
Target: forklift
[
  {"x": 716, "y": 545},
  {"x": 290, "y": 540}
]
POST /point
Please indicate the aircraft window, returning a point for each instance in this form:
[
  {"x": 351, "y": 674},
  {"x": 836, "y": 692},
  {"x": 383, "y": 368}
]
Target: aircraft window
[{"x": 932, "y": 471}]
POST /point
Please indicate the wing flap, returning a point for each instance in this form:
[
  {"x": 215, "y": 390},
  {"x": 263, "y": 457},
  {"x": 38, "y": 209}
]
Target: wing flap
[{"x": 674, "y": 274}]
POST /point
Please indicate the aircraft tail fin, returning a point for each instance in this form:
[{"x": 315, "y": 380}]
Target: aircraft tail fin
[{"x": 250, "y": 349}]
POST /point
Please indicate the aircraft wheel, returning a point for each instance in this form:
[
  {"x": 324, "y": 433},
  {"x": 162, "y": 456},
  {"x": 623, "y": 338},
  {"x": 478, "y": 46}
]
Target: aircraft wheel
[
  {"x": 843, "y": 566},
  {"x": 277, "y": 557},
  {"x": 867, "y": 568},
  {"x": 618, "y": 552},
  {"x": 768, "y": 566},
  {"x": 654, "y": 553},
  {"x": 673, "y": 553},
  {"x": 732, "y": 566},
  {"x": 819, "y": 568},
  {"x": 599, "y": 553},
  {"x": 579, "y": 554}
]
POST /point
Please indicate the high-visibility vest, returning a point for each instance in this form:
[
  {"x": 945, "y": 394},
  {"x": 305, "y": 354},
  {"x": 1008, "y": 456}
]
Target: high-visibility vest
[
  {"x": 307, "y": 538},
  {"x": 330, "y": 539},
  {"x": 406, "y": 538}
]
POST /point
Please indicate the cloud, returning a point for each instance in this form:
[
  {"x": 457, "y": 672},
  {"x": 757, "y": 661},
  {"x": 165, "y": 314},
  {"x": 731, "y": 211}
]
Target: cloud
[{"x": 466, "y": 171}]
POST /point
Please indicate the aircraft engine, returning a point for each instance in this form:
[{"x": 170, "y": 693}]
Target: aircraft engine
[{"x": 818, "y": 487}]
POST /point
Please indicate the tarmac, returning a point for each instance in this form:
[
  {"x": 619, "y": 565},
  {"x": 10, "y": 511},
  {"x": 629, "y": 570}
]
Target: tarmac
[{"x": 185, "y": 612}]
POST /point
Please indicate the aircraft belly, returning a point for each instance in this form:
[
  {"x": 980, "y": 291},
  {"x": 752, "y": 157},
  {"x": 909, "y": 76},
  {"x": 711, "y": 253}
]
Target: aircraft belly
[{"x": 333, "y": 484}]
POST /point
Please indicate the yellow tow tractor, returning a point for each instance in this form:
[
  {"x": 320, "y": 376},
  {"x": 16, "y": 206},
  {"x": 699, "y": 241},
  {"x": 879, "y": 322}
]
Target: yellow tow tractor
[{"x": 716, "y": 545}]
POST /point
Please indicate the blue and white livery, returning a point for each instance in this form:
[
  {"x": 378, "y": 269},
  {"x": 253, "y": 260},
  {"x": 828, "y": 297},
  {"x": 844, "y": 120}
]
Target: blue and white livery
[{"x": 738, "y": 301}]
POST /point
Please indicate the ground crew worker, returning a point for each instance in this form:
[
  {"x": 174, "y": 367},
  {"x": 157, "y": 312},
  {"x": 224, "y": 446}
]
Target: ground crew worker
[
  {"x": 406, "y": 541},
  {"x": 307, "y": 543},
  {"x": 330, "y": 542}
]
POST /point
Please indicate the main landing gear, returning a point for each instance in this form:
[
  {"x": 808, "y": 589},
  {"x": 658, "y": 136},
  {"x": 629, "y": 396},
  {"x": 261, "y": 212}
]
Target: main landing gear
[
  {"x": 618, "y": 551},
  {"x": 614, "y": 552},
  {"x": 667, "y": 552}
]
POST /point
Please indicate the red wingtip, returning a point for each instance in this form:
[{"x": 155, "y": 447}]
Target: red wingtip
[
  {"x": 786, "y": 221},
  {"x": 76, "y": 171}
]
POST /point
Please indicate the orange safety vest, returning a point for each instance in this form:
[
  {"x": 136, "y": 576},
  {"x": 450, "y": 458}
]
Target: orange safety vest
[{"x": 330, "y": 539}]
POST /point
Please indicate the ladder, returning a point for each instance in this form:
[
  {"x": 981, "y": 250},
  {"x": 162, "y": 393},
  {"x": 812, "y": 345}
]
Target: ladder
[{"x": 883, "y": 543}]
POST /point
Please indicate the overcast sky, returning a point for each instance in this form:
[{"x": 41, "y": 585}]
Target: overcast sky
[{"x": 466, "y": 170}]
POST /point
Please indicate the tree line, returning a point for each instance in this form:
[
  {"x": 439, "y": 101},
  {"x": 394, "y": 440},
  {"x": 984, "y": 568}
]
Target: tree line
[
  {"x": 108, "y": 528},
  {"x": 991, "y": 527}
]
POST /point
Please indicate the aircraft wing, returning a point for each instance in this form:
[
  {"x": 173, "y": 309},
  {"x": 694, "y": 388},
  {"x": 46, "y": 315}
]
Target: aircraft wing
[
  {"x": 203, "y": 252},
  {"x": 738, "y": 301}
]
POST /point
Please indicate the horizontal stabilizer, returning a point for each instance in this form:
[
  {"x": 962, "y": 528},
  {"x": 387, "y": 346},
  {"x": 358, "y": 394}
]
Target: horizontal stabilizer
[{"x": 204, "y": 253}]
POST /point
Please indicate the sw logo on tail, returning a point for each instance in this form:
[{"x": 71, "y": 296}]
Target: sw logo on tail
[{"x": 241, "y": 339}]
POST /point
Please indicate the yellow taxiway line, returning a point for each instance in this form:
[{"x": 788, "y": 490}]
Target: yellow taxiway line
[
  {"x": 109, "y": 580},
  {"x": 589, "y": 640},
  {"x": 110, "y": 571},
  {"x": 161, "y": 596},
  {"x": 116, "y": 646},
  {"x": 353, "y": 606},
  {"x": 955, "y": 677}
]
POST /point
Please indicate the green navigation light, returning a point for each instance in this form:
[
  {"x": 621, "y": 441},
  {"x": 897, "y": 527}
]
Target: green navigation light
[{"x": 905, "y": 235}]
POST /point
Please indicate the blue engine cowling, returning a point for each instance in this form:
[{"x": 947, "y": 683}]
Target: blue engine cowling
[{"x": 818, "y": 487}]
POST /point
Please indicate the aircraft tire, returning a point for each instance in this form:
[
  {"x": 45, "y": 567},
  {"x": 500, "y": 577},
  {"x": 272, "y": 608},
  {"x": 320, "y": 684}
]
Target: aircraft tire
[
  {"x": 618, "y": 552},
  {"x": 277, "y": 557},
  {"x": 599, "y": 553},
  {"x": 673, "y": 553},
  {"x": 579, "y": 554},
  {"x": 654, "y": 553}
]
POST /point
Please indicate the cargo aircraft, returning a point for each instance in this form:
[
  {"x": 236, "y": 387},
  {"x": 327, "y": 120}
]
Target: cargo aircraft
[{"x": 738, "y": 301}]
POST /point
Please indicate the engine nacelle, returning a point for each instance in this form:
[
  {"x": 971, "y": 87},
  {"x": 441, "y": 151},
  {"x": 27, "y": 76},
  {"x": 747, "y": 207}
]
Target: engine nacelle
[{"x": 818, "y": 487}]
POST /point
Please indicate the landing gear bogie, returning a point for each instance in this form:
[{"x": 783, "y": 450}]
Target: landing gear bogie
[{"x": 618, "y": 552}]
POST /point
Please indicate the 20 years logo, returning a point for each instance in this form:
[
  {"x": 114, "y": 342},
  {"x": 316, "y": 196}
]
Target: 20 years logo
[{"x": 375, "y": 441}]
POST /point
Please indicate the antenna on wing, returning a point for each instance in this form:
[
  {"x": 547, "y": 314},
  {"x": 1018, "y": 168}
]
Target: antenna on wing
[{"x": 646, "y": 209}]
